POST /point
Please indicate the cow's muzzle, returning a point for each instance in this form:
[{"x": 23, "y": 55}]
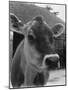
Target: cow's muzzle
[{"x": 51, "y": 57}]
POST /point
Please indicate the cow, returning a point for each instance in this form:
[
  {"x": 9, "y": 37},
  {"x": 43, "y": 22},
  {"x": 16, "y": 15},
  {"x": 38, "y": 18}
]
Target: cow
[{"x": 29, "y": 65}]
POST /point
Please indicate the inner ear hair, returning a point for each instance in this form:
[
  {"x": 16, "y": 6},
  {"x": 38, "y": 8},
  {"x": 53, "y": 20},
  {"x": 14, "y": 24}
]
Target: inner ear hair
[
  {"x": 58, "y": 29},
  {"x": 14, "y": 18}
]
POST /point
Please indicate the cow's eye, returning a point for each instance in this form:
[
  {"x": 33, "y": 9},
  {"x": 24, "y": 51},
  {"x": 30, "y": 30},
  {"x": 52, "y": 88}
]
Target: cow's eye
[{"x": 31, "y": 37}]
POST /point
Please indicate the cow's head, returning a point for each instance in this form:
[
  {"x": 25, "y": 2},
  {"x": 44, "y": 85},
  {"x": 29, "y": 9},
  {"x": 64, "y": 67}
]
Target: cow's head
[
  {"x": 14, "y": 22},
  {"x": 39, "y": 40}
]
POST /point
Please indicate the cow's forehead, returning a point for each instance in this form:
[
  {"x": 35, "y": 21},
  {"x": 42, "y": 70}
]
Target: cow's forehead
[
  {"x": 38, "y": 28},
  {"x": 42, "y": 28}
]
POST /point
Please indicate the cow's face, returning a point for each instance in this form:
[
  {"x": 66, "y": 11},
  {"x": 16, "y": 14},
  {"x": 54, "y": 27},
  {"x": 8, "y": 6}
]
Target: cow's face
[{"x": 40, "y": 38}]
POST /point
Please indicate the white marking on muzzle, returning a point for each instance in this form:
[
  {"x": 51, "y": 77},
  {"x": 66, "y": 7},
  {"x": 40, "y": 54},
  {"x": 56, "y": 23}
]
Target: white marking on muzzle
[{"x": 48, "y": 56}]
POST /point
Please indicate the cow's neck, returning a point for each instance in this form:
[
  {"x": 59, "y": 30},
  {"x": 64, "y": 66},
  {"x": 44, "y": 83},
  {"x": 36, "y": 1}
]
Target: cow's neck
[{"x": 32, "y": 57}]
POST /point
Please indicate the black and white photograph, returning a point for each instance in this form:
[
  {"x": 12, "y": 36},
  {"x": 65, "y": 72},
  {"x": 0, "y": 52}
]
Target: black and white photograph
[{"x": 37, "y": 44}]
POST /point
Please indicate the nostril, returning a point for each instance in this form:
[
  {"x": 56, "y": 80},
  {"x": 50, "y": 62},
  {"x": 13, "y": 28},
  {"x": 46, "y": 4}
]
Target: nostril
[
  {"x": 47, "y": 62},
  {"x": 51, "y": 64}
]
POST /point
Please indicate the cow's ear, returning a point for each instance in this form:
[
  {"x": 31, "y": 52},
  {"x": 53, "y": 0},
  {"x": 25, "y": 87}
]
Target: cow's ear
[
  {"x": 58, "y": 29},
  {"x": 14, "y": 22},
  {"x": 36, "y": 21},
  {"x": 27, "y": 27}
]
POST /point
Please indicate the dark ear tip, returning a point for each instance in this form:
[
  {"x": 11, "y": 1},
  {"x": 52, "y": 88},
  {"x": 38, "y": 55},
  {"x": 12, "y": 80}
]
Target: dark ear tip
[{"x": 39, "y": 18}]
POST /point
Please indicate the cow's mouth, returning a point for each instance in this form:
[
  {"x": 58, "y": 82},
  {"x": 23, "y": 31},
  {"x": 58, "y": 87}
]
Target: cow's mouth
[{"x": 48, "y": 61}]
